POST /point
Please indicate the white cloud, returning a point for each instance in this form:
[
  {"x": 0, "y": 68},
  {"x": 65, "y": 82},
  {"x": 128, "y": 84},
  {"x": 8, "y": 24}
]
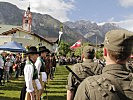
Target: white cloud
[
  {"x": 59, "y": 9},
  {"x": 126, "y": 3},
  {"x": 111, "y": 19},
  {"x": 127, "y": 24},
  {"x": 129, "y": 16}
]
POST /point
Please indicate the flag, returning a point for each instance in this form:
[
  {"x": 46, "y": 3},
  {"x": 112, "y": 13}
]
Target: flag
[
  {"x": 76, "y": 45},
  {"x": 60, "y": 33},
  {"x": 131, "y": 56}
]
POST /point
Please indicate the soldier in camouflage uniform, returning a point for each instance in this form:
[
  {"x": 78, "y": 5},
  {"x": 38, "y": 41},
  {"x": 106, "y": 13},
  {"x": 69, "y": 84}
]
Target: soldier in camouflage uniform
[
  {"x": 116, "y": 81},
  {"x": 83, "y": 70}
]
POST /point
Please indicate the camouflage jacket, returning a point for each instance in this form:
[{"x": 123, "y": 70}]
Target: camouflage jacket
[
  {"x": 115, "y": 83},
  {"x": 83, "y": 70}
]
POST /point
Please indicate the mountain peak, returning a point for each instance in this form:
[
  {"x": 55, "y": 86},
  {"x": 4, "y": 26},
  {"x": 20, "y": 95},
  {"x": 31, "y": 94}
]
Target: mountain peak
[{"x": 91, "y": 29}]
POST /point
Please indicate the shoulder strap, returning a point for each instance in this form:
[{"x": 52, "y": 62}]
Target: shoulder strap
[
  {"x": 42, "y": 61},
  {"x": 35, "y": 72},
  {"x": 102, "y": 85},
  {"x": 43, "y": 67},
  {"x": 119, "y": 91}
]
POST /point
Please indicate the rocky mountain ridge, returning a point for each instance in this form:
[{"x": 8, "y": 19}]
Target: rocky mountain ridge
[{"x": 91, "y": 30}]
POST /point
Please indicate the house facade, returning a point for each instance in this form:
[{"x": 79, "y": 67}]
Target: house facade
[
  {"x": 25, "y": 38},
  {"x": 24, "y": 34}
]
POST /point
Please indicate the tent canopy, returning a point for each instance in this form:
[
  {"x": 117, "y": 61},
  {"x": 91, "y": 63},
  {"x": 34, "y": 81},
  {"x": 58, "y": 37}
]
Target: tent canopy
[{"x": 12, "y": 46}]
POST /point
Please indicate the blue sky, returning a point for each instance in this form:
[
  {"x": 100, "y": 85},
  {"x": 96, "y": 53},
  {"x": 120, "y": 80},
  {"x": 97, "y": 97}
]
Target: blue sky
[{"x": 100, "y": 11}]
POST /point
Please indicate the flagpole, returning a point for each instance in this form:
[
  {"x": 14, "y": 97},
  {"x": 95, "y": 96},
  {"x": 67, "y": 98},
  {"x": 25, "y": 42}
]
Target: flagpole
[
  {"x": 96, "y": 43},
  {"x": 81, "y": 51},
  {"x": 59, "y": 38}
]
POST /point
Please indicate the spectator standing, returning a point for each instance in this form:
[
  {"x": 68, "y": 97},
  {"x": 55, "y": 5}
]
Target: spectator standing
[
  {"x": 7, "y": 66},
  {"x": 17, "y": 66}
]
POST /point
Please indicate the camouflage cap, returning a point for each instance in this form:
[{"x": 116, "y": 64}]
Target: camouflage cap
[
  {"x": 87, "y": 50},
  {"x": 119, "y": 40}
]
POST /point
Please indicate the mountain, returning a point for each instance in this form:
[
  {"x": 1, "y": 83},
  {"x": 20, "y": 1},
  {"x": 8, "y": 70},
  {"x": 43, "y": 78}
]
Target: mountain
[
  {"x": 48, "y": 26},
  {"x": 42, "y": 24},
  {"x": 10, "y": 14},
  {"x": 91, "y": 30}
]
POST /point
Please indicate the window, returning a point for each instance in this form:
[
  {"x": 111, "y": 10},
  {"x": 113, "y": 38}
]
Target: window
[
  {"x": 28, "y": 36},
  {"x": 20, "y": 44}
]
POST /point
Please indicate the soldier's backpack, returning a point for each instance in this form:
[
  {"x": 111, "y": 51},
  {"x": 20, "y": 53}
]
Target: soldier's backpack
[
  {"x": 108, "y": 88},
  {"x": 82, "y": 71}
]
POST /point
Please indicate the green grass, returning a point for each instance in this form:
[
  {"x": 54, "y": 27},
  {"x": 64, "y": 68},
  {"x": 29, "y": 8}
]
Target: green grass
[{"x": 56, "y": 88}]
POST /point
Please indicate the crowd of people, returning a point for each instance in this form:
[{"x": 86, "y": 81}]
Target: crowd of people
[
  {"x": 63, "y": 60},
  {"x": 40, "y": 65},
  {"x": 12, "y": 65}
]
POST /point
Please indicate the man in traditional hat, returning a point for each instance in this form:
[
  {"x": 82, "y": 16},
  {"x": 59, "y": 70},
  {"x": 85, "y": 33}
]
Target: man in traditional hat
[
  {"x": 33, "y": 85},
  {"x": 116, "y": 81},
  {"x": 83, "y": 70},
  {"x": 47, "y": 62},
  {"x": 40, "y": 66},
  {"x": 52, "y": 65}
]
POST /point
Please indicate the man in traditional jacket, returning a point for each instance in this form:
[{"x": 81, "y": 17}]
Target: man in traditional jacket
[{"x": 33, "y": 86}]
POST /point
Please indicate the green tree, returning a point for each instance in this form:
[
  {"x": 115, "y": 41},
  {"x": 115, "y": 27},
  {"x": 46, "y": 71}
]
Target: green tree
[
  {"x": 64, "y": 48},
  {"x": 77, "y": 52},
  {"x": 99, "y": 54},
  {"x": 69, "y": 54}
]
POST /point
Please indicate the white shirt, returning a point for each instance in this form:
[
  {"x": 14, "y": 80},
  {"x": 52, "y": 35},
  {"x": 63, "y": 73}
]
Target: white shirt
[
  {"x": 12, "y": 58},
  {"x": 38, "y": 65},
  {"x": 8, "y": 64},
  {"x": 1, "y": 62},
  {"x": 28, "y": 73}
]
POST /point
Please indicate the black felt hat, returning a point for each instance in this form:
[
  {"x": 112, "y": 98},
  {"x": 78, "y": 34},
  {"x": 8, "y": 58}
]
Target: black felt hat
[
  {"x": 47, "y": 50},
  {"x": 32, "y": 50},
  {"x": 42, "y": 49}
]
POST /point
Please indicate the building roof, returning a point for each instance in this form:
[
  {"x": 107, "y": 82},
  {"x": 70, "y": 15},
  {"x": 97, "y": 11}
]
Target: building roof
[
  {"x": 10, "y": 29},
  {"x": 4, "y": 28},
  {"x": 52, "y": 39}
]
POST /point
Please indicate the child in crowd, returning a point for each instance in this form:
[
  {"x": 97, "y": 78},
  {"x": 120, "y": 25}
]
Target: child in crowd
[{"x": 8, "y": 64}]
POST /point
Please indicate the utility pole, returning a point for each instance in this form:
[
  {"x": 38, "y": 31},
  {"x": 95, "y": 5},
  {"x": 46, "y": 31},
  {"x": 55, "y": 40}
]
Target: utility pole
[
  {"x": 81, "y": 50},
  {"x": 96, "y": 43}
]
